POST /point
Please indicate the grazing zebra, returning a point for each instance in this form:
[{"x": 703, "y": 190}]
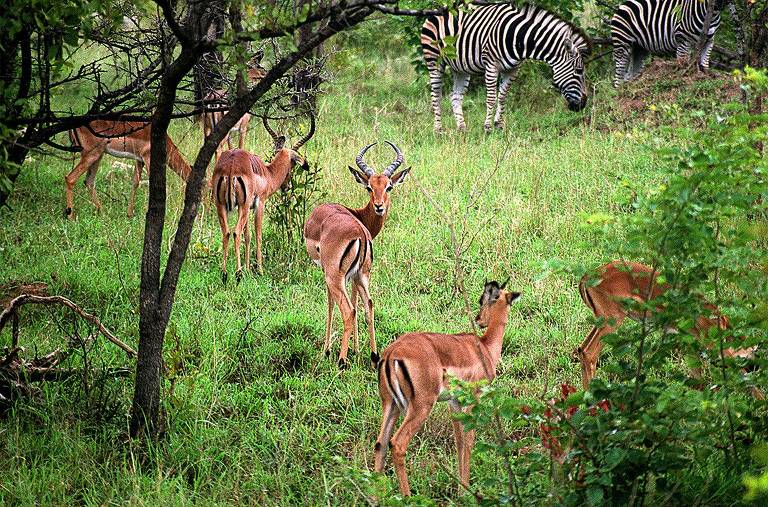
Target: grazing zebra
[
  {"x": 658, "y": 27},
  {"x": 493, "y": 40}
]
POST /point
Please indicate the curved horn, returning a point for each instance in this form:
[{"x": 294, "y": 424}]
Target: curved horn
[
  {"x": 269, "y": 129},
  {"x": 398, "y": 160},
  {"x": 362, "y": 165},
  {"x": 309, "y": 135}
]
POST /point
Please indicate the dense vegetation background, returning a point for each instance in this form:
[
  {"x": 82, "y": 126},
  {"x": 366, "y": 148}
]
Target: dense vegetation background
[{"x": 253, "y": 413}]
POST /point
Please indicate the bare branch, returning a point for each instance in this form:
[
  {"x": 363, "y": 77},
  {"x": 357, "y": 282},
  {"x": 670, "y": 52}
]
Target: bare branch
[{"x": 19, "y": 301}]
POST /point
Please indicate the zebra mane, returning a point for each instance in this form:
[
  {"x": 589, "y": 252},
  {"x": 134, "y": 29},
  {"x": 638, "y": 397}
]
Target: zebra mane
[{"x": 586, "y": 40}]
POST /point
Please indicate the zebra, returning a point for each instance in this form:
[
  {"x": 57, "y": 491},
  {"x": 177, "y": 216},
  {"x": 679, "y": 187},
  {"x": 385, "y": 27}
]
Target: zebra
[
  {"x": 492, "y": 40},
  {"x": 643, "y": 27}
]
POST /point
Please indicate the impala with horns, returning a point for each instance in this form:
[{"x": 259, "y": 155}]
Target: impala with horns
[
  {"x": 606, "y": 295},
  {"x": 218, "y": 98},
  {"x": 414, "y": 374},
  {"x": 242, "y": 180},
  {"x": 122, "y": 139},
  {"x": 339, "y": 239}
]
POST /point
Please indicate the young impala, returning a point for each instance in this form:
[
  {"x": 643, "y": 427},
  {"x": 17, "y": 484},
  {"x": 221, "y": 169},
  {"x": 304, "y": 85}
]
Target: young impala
[
  {"x": 339, "y": 239},
  {"x": 618, "y": 281},
  {"x": 242, "y": 180},
  {"x": 218, "y": 98},
  {"x": 123, "y": 139},
  {"x": 414, "y": 373}
]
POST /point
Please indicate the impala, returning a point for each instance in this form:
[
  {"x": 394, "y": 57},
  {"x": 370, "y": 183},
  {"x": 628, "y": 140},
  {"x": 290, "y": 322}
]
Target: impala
[
  {"x": 242, "y": 180},
  {"x": 617, "y": 282},
  {"x": 219, "y": 98},
  {"x": 123, "y": 139},
  {"x": 339, "y": 239},
  {"x": 414, "y": 374}
]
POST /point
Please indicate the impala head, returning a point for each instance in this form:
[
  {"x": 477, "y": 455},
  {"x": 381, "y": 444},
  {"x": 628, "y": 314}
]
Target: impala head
[
  {"x": 494, "y": 298},
  {"x": 279, "y": 141},
  {"x": 379, "y": 185},
  {"x": 569, "y": 72}
]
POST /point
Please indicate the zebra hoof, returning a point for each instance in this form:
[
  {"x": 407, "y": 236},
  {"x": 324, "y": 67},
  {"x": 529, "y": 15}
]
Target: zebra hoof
[{"x": 500, "y": 125}]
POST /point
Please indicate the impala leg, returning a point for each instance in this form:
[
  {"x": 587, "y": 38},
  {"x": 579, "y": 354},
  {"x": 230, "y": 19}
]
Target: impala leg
[
  {"x": 242, "y": 218},
  {"x": 336, "y": 287},
  {"x": 259, "y": 220},
  {"x": 247, "y": 238},
  {"x": 88, "y": 159},
  {"x": 90, "y": 184},
  {"x": 328, "y": 322},
  {"x": 222, "y": 214},
  {"x": 415, "y": 416},
  {"x": 355, "y": 336},
  {"x": 135, "y": 185},
  {"x": 389, "y": 416},
  {"x": 458, "y": 434},
  {"x": 368, "y": 305},
  {"x": 589, "y": 352},
  {"x": 243, "y": 131}
]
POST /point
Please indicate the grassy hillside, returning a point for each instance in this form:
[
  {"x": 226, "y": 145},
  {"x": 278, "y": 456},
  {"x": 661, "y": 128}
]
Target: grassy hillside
[{"x": 254, "y": 413}]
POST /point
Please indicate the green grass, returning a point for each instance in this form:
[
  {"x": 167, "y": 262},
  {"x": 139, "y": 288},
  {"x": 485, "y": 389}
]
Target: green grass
[{"x": 260, "y": 416}]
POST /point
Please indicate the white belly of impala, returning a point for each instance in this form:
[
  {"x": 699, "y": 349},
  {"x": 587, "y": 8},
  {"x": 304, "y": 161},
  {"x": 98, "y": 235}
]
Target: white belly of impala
[{"x": 123, "y": 154}]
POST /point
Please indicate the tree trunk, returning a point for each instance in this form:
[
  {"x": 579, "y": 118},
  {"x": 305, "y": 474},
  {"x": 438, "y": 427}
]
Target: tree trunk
[{"x": 152, "y": 319}]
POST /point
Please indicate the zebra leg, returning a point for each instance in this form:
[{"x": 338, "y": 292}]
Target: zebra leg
[
  {"x": 621, "y": 56},
  {"x": 682, "y": 52},
  {"x": 435, "y": 92},
  {"x": 491, "y": 82},
  {"x": 705, "y": 54},
  {"x": 460, "y": 83},
  {"x": 506, "y": 84},
  {"x": 636, "y": 63}
]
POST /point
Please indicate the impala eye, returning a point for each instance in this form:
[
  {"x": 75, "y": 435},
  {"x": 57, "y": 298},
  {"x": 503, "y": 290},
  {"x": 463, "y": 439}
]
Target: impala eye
[
  {"x": 369, "y": 189},
  {"x": 389, "y": 187}
]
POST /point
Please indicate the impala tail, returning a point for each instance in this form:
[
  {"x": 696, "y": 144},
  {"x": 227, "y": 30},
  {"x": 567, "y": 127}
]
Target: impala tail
[{"x": 231, "y": 192}]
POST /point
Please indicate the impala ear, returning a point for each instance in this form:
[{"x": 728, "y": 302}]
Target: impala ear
[
  {"x": 399, "y": 178},
  {"x": 511, "y": 297},
  {"x": 360, "y": 176}
]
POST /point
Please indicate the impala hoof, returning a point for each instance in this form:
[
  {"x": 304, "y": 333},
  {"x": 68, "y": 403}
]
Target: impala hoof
[
  {"x": 343, "y": 364},
  {"x": 375, "y": 358},
  {"x": 238, "y": 275},
  {"x": 67, "y": 212},
  {"x": 224, "y": 277}
]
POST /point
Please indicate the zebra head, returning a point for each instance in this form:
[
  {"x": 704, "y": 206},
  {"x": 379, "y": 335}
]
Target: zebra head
[{"x": 568, "y": 72}]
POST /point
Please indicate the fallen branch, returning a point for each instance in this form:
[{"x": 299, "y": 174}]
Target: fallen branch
[{"x": 15, "y": 304}]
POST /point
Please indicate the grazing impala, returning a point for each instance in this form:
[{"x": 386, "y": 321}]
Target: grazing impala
[
  {"x": 618, "y": 281},
  {"x": 338, "y": 239},
  {"x": 219, "y": 97},
  {"x": 413, "y": 376},
  {"x": 243, "y": 180},
  {"x": 123, "y": 139}
]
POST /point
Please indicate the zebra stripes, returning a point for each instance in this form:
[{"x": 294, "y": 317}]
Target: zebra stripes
[
  {"x": 492, "y": 40},
  {"x": 659, "y": 27}
]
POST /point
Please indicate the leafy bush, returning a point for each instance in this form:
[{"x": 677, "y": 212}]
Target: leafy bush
[{"x": 646, "y": 432}]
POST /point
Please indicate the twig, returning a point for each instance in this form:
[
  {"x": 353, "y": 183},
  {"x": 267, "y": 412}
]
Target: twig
[{"x": 13, "y": 306}]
